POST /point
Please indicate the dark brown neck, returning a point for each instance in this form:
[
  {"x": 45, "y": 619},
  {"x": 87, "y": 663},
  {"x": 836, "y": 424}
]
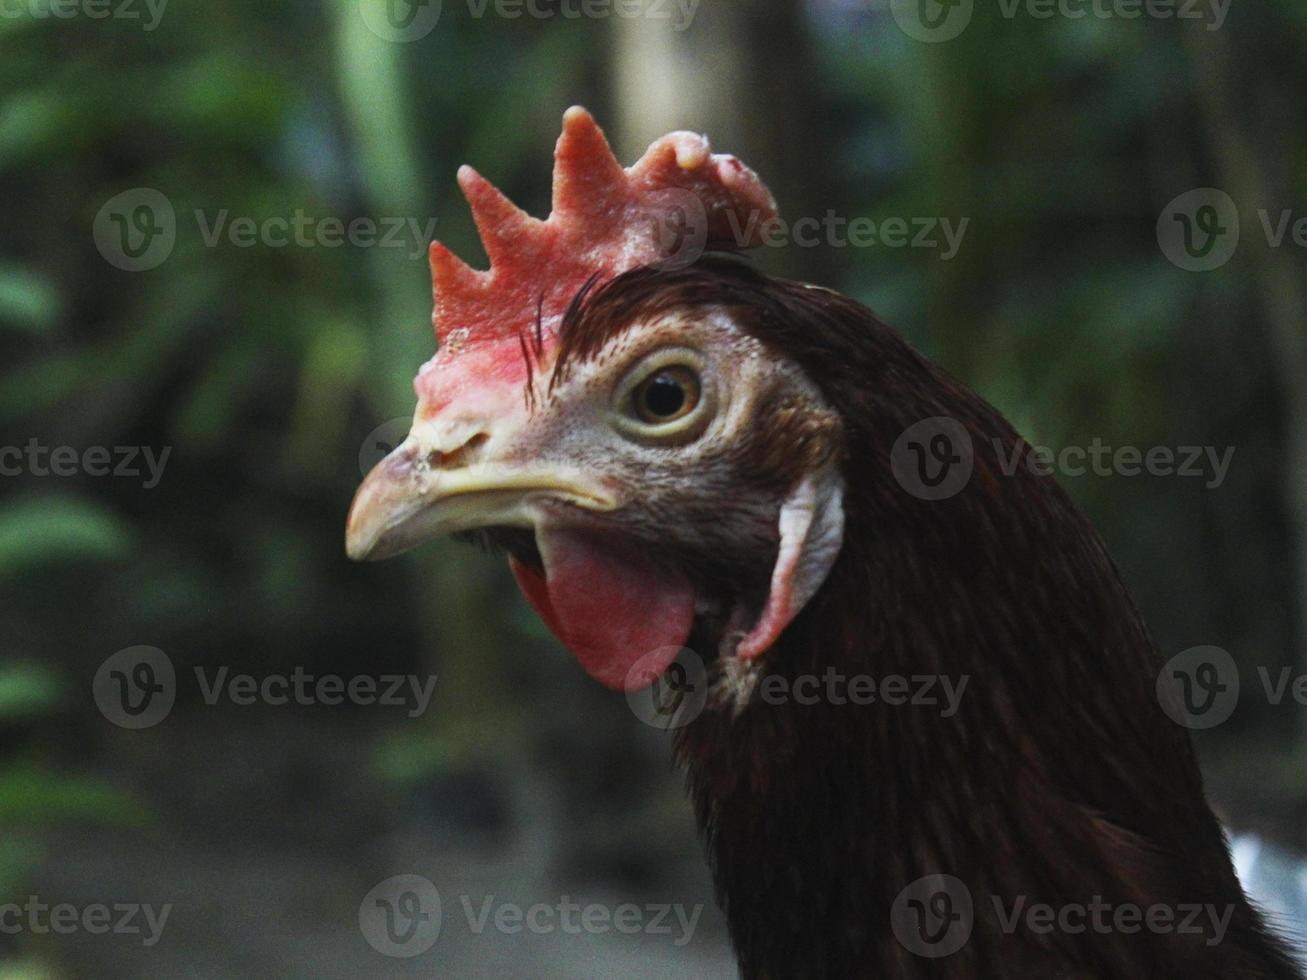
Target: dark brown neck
[{"x": 1029, "y": 761}]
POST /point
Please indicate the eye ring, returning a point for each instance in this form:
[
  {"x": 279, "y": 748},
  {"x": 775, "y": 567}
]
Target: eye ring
[{"x": 666, "y": 398}]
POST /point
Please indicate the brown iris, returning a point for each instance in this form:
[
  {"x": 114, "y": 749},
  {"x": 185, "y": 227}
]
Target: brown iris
[{"x": 668, "y": 394}]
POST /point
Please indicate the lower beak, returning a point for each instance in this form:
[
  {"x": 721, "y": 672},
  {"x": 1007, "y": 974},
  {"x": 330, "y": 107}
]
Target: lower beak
[{"x": 406, "y": 501}]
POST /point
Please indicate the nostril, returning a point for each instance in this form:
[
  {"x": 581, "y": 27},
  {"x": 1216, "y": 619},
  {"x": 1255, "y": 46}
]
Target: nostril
[{"x": 464, "y": 455}]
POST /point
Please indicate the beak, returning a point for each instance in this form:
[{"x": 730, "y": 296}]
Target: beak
[{"x": 419, "y": 492}]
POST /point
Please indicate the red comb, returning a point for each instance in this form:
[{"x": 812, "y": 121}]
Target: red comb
[{"x": 677, "y": 200}]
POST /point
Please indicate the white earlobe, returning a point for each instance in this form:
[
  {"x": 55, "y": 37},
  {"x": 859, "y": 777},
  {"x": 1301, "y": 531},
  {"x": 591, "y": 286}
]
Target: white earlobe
[{"x": 811, "y": 527}]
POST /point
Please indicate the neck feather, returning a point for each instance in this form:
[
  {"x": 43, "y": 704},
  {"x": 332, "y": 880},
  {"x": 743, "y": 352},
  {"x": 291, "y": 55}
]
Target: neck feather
[{"x": 1014, "y": 743}]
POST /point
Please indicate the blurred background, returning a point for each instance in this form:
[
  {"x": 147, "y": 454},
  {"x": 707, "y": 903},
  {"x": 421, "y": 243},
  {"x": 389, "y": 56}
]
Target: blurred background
[{"x": 219, "y": 379}]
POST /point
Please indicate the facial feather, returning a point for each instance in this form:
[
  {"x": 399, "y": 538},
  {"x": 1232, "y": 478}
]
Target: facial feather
[{"x": 714, "y": 503}]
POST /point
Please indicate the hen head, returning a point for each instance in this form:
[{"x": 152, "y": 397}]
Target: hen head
[{"x": 658, "y": 474}]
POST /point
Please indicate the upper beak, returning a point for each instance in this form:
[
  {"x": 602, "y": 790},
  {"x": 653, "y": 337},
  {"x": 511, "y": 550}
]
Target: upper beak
[{"x": 416, "y": 494}]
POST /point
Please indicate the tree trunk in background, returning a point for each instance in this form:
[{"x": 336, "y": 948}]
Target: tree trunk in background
[
  {"x": 742, "y": 74},
  {"x": 1244, "y": 164}
]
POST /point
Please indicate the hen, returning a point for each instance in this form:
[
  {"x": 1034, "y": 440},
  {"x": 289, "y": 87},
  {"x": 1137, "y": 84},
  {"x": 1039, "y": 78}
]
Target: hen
[{"x": 679, "y": 452}]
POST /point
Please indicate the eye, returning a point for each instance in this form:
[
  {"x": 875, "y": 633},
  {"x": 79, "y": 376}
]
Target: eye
[
  {"x": 669, "y": 394},
  {"x": 667, "y": 398}
]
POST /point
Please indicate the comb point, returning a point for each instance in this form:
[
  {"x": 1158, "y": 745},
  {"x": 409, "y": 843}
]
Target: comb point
[
  {"x": 587, "y": 176},
  {"x": 500, "y": 223}
]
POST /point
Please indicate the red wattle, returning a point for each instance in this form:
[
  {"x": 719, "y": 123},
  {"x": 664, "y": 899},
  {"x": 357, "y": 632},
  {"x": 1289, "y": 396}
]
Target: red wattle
[{"x": 610, "y": 607}]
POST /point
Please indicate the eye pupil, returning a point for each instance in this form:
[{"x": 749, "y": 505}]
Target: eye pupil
[
  {"x": 667, "y": 395},
  {"x": 664, "y": 396}
]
